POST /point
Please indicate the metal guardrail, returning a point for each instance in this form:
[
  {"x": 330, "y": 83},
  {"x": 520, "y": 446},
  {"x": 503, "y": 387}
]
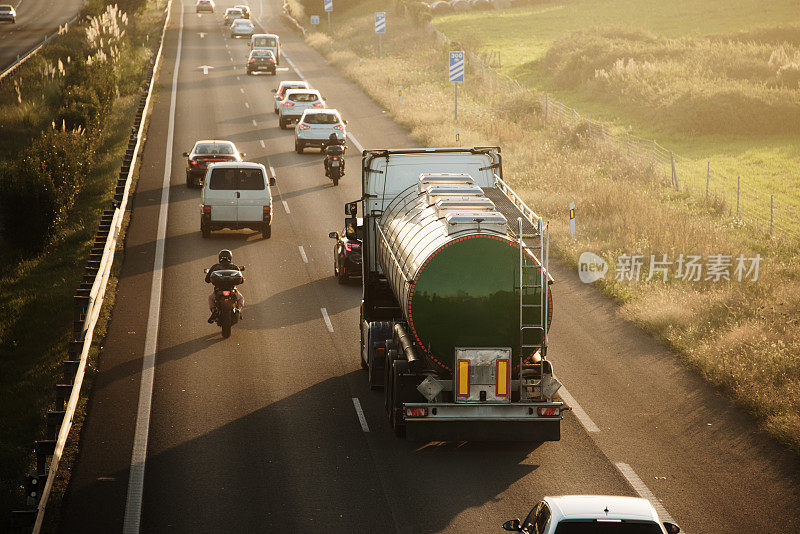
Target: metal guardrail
[
  {"x": 62, "y": 29},
  {"x": 88, "y": 304}
]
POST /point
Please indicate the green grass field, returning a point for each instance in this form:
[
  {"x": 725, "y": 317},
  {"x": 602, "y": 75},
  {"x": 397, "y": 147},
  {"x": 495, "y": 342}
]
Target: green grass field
[{"x": 531, "y": 43}]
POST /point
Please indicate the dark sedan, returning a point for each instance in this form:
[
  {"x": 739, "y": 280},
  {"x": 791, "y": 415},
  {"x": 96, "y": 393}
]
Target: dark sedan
[
  {"x": 347, "y": 252},
  {"x": 206, "y": 6},
  {"x": 205, "y": 152},
  {"x": 261, "y": 61}
]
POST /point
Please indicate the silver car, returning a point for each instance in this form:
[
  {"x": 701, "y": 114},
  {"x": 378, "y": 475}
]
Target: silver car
[
  {"x": 284, "y": 86},
  {"x": 315, "y": 128},
  {"x": 296, "y": 102},
  {"x": 8, "y": 13},
  {"x": 242, "y": 28},
  {"x": 231, "y": 14}
]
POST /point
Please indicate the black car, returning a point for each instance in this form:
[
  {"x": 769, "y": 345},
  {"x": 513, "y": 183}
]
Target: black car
[
  {"x": 204, "y": 6},
  {"x": 261, "y": 61},
  {"x": 347, "y": 252},
  {"x": 205, "y": 152}
]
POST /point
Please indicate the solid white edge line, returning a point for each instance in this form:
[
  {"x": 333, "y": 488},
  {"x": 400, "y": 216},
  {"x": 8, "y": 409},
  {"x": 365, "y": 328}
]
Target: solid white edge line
[
  {"x": 254, "y": 122},
  {"x": 133, "y": 501},
  {"x": 286, "y": 206},
  {"x": 303, "y": 254},
  {"x": 360, "y": 414},
  {"x": 643, "y": 491},
  {"x": 327, "y": 320},
  {"x": 263, "y": 145},
  {"x": 242, "y": 89},
  {"x": 291, "y": 64},
  {"x": 247, "y": 105},
  {"x": 355, "y": 142},
  {"x": 583, "y": 417}
]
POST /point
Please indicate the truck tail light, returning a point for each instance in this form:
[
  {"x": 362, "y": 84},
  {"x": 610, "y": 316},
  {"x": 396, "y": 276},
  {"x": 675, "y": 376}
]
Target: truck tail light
[
  {"x": 550, "y": 411},
  {"x": 302, "y": 126},
  {"x": 318, "y": 105},
  {"x": 416, "y": 412},
  {"x": 267, "y": 211},
  {"x": 502, "y": 378},
  {"x": 206, "y": 210},
  {"x": 350, "y": 246},
  {"x": 463, "y": 378},
  {"x": 339, "y": 127}
]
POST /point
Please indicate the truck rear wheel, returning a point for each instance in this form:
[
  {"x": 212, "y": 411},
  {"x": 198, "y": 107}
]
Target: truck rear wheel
[{"x": 396, "y": 418}]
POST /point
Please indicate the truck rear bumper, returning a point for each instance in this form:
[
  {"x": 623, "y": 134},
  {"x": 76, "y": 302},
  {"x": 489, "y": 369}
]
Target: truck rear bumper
[{"x": 485, "y": 422}]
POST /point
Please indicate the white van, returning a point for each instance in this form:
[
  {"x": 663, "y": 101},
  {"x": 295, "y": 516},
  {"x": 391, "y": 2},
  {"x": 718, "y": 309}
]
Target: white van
[
  {"x": 236, "y": 195},
  {"x": 267, "y": 41}
]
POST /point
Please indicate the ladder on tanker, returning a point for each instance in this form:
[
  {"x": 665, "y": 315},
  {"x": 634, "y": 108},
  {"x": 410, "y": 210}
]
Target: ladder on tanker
[{"x": 534, "y": 250}]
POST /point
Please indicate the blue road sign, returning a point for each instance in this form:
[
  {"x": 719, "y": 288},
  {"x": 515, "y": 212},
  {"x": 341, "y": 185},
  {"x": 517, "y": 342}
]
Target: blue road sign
[
  {"x": 380, "y": 22},
  {"x": 314, "y": 19},
  {"x": 328, "y": 5},
  {"x": 456, "y": 66}
]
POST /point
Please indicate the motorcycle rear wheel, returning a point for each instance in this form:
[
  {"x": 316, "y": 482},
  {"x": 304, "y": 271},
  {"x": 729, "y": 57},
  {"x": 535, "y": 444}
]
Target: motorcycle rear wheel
[{"x": 225, "y": 323}]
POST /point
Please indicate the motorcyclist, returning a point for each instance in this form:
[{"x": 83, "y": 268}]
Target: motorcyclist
[
  {"x": 333, "y": 148},
  {"x": 225, "y": 258}
]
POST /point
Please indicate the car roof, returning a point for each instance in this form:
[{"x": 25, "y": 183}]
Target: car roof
[
  {"x": 232, "y": 9},
  {"x": 240, "y": 164},
  {"x": 300, "y": 91},
  {"x": 220, "y": 141},
  {"x": 284, "y": 83},
  {"x": 595, "y": 506},
  {"x": 321, "y": 111}
]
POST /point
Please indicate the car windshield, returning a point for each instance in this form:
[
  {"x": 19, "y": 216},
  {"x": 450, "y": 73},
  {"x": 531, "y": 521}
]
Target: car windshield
[
  {"x": 321, "y": 118},
  {"x": 264, "y": 41},
  {"x": 214, "y": 148},
  {"x": 234, "y": 178},
  {"x": 596, "y": 527},
  {"x": 242, "y": 22},
  {"x": 303, "y": 97},
  {"x": 5, "y": 9},
  {"x": 261, "y": 53},
  {"x": 233, "y": 11}
]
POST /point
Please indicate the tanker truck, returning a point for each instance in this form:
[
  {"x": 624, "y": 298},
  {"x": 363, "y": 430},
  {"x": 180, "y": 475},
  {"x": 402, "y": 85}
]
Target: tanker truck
[{"x": 456, "y": 301}]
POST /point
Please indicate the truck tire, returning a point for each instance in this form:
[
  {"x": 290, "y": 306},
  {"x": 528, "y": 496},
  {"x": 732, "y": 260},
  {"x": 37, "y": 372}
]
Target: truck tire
[
  {"x": 396, "y": 418},
  {"x": 379, "y": 333},
  {"x": 205, "y": 230},
  {"x": 266, "y": 231}
]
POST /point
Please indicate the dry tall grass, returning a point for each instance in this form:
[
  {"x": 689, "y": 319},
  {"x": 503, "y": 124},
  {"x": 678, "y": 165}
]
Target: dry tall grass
[
  {"x": 735, "y": 84},
  {"x": 742, "y": 337}
]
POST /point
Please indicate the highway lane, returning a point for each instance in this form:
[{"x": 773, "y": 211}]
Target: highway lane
[
  {"x": 259, "y": 432},
  {"x": 35, "y": 19}
]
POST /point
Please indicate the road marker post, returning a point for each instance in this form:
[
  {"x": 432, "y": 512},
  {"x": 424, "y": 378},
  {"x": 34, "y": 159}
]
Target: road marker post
[
  {"x": 380, "y": 29},
  {"x": 456, "y": 75},
  {"x": 572, "y": 218}
]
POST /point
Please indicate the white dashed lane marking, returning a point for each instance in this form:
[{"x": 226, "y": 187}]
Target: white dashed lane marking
[
  {"x": 583, "y": 417},
  {"x": 360, "y": 414},
  {"x": 262, "y": 143},
  {"x": 643, "y": 491},
  {"x": 286, "y": 206},
  {"x": 303, "y": 255},
  {"x": 254, "y": 122},
  {"x": 327, "y": 320}
]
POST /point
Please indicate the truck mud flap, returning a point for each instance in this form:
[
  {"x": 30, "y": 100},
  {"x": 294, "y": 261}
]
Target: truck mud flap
[{"x": 527, "y": 431}]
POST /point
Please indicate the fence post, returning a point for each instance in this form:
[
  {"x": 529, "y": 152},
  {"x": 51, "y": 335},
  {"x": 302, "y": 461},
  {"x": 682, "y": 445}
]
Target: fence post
[
  {"x": 738, "y": 193},
  {"x": 674, "y": 171},
  {"x": 708, "y": 176},
  {"x": 771, "y": 212}
]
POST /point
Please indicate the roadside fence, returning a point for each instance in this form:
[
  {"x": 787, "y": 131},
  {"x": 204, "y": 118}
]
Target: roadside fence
[
  {"x": 62, "y": 29},
  {"x": 88, "y": 303}
]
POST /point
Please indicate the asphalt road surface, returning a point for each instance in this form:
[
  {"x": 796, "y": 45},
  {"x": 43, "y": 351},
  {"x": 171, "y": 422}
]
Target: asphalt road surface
[
  {"x": 35, "y": 20},
  {"x": 261, "y": 432}
]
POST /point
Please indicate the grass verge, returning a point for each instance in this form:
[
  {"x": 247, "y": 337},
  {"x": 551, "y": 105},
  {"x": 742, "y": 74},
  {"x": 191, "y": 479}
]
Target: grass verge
[
  {"x": 741, "y": 336},
  {"x": 712, "y": 81},
  {"x": 36, "y": 293}
]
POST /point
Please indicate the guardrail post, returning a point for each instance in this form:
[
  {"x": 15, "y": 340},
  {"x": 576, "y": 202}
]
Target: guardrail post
[
  {"x": 44, "y": 448},
  {"x": 674, "y": 171}
]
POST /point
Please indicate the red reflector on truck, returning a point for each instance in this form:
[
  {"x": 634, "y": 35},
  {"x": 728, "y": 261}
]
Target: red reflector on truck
[
  {"x": 416, "y": 412},
  {"x": 551, "y": 411}
]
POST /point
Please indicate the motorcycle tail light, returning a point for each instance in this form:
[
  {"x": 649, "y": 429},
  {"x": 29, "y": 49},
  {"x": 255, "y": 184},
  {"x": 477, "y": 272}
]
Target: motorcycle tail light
[
  {"x": 302, "y": 126},
  {"x": 339, "y": 127},
  {"x": 335, "y": 158},
  {"x": 226, "y": 293}
]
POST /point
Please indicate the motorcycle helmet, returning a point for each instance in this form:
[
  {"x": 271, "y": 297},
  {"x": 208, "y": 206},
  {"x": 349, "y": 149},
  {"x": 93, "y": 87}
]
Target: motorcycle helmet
[{"x": 225, "y": 256}]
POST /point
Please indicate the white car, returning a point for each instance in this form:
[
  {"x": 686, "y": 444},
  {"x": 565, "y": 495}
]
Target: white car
[
  {"x": 236, "y": 195},
  {"x": 231, "y": 14},
  {"x": 284, "y": 86},
  {"x": 295, "y": 103},
  {"x": 315, "y": 128},
  {"x": 592, "y": 514},
  {"x": 242, "y": 28},
  {"x": 8, "y": 13}
]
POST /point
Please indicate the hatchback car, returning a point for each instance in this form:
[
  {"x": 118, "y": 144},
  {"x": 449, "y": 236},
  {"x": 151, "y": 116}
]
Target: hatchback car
[
  {"x": 347, "y": 251},
  {"x": 204, "y": 6},
  {"x": 261, "y": 61},
  {"x": 237, "y": 195},
  {"x": 8, "y": 14},
  {"x": 245, "y": 10},
  {"x": 592, "y": 514},
  {"x": 231, "y": 14},
  {"x": 295, "y": 103},
  {"x": 315, "y": 126},
  {"x": 242, "y": 28},
  {"x": 284, "y": 86},
  {"x": 204, "y": 153}
]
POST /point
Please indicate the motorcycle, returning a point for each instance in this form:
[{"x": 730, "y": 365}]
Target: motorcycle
[
  {"x": 334, "y": 163},
  {"x": 226, "y": 297}
]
